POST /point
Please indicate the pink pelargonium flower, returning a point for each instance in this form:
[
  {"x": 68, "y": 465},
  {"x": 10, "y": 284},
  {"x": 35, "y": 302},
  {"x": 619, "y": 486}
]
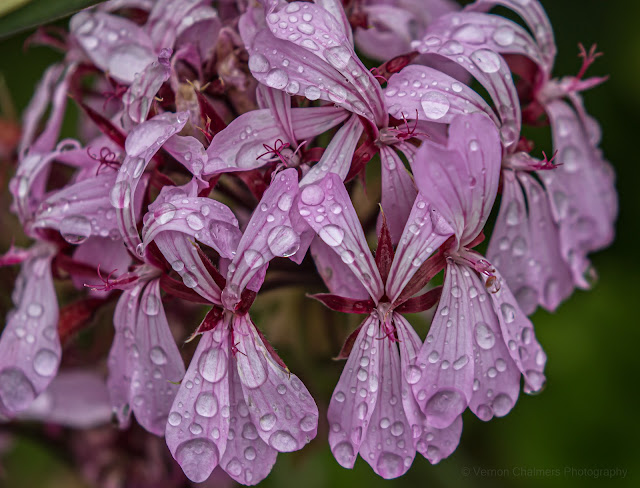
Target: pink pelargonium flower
[
  {"x": 543, "y": 232},
  {"x": 238, "y": 405},
  {"x": 480, "y": 341}
]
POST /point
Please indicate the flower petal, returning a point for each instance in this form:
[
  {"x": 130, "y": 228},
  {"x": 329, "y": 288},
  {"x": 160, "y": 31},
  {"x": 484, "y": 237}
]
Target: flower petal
[
  {"x": 281, "y": 407},
  {"x": 327, "y": 208},
  {"x": 29, "y": 345},
  {"x": 247, "y": 458},
  {"x": 139, "y": 97},
  {"x": 353, "y": 401},
  {"x": 446, "y": 358},
  {"x": 159, "y": 364},
  {"x": 496, "y": 383},
  {"x": 114, "y": 44},
  {"x": 517, "y": 331},
  {"x": 198, "y": 425},
  {"x": 525, "y": 245},
  {"x": 428, "y": 94},
  {"x": 388, "y": 426}
]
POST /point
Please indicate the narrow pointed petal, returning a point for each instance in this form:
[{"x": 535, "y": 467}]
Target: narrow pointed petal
[
  {"x": 180, "y": 252},
  {"x": 496, "y": 383},
  {"x": 159, "y": 366},
  {"x": 279, "y": 103},
  {"x": 327, "y": 208},
  {"x": 487, "y": 66},
  {"x": 434, "y": 444},
  {"x": 581, "y": 189},
  {"x": 29, "y": 345},
  {"x": 199, "y": 218},
  {"x": 525, "y": 245},
  {"x": 424, "y": 232},
  {"x": 518, "y": 334},
  {"x": 139, "y": 97},
  {"x": 428, "y": 94},
  {"x": 189, "y": 152},
  {"x": 388, "y": 425},
  {"x": 124, "y": 354},
  {"x": 398, "y": 192},
  {"x": 339, "y": 153},
  {"x": 121, "y": 55},
  {"x": 281, "y": 407},
  {"x": 336, "y": 8},
  {"x": 353, "y": 401},
  {"x": 461, "y": 180},
  {"x": 169, "y": 20},
  {"x": 320, "y": 34},
  {"x": 141, "y": 145},
  {"x": 247, "y": 458},
  {"x": 536, "y": 19},
  {"x": 268, "y": 234},
  {"x": 337, "y": 276},
  {"x": 446, "y": 358},
  {"x": 198, "y": 425},
  {"x": 77, "y": 399}
]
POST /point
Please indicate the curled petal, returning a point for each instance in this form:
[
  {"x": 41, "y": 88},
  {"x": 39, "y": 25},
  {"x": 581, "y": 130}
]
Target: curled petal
[
  {"x": 353, "y": 401},
  {"x": 446, "y": 359},
  {"x": 139, "y": 97},
  {"x": 281, "y": 407},
  {"x": 327, "y": 208},
  {"x": 29, "y": 345},
  {"x": 197, "y": 428},
  {"x": 189, "y": 152}
]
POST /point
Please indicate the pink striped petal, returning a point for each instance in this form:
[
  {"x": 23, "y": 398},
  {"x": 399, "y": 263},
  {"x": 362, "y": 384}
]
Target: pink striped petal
[
  {"x": 139, "y": 97},
  {"x": 29, "y": 345},
  {"x": 398, "y": 192},
  {"x": 197, "y": 428},
  {"x": 446, "y": 358},
  {"x": 353, "y": 401},
  {"x": 327, "y": 208},
  {"x": 281, "y": 407}
]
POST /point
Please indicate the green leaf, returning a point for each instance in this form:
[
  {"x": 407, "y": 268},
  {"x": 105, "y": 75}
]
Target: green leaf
[{"x": 35, "y": 13}]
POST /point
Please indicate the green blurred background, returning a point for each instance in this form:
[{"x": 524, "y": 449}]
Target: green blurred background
[{"x": 587, "y": 416}]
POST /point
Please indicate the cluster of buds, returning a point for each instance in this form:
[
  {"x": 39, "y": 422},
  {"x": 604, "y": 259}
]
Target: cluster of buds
[{"x": 218, "y": 140}]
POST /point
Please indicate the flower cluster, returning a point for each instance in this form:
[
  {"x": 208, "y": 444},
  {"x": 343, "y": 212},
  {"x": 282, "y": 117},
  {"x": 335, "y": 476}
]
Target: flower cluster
[{"x": 215, "y": 140}]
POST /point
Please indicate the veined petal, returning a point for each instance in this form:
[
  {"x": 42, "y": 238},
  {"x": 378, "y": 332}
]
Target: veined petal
[
  {"x": 461, "y": 181},
  {"x": 279, "y": 103},
  {"x": 388, "y": 425},
  {"x": 114, "y": 44},
  {"x": 389, "y": 31},
  {"x": 268, "y": 234},
  {"x": 327, "y": 208},
  {"x": 525, "y": 245},
  {"x": 581, "y": 190},
  {"x": 198, "y": 426},
  {"x": 318, "y": 33},
  {"x": 487, "y": 66},
  {"x": 496, "y": 383},
  {"x": 204, "y": 219},
  {"x": 335, "y": 273},
  {"x": 335, "y": 8},
  {"x": 424, "y": 232},
  {"x": 200, "y": 28},
  {"x": 141, "y": 145},
  {"x": 160, "y": 365},
  {"x": 189, "y": 152},
  {"x": 518, "y": 334},
  {"x": 180, "y": 252},
  {"x": 398, "y": 192},
  {"x": 446, "y": 358},
  {"x": 283, "y": 65},
  {"x": 169, "y": 19},
  {"x": 434, "y": 444},
  {"x": 247, "y": 458},
  {"x": 536, "y": 19},
  {"x": 29, "y": 345},
  {"x": 428, "y": 94},
  {"x": 281, "y": 407},
  {"x": 139, "y": 97},
  {"x": 124, "y": 354},
  {"x": 338, "y": 154},
  {"x": 354, "y": 401}
]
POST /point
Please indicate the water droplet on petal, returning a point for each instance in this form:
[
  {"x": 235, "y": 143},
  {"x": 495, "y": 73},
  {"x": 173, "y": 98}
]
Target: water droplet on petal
[
  {"x": 282, "y": 441},
  {"x": 486, "y": 60},
  {"x": 46, "y": 362},
  {"x": 75, "y": 229},
  {"x": 213, "y": 364},
  {"x": 484, "y": 336},
  {"x": 312, "y": 195},
  {"x": 197, "y": 457},
  {"x": 283, "y": 241},
  {"x": 435, "y": 105},
  {"x": 332, "y": 235}
]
